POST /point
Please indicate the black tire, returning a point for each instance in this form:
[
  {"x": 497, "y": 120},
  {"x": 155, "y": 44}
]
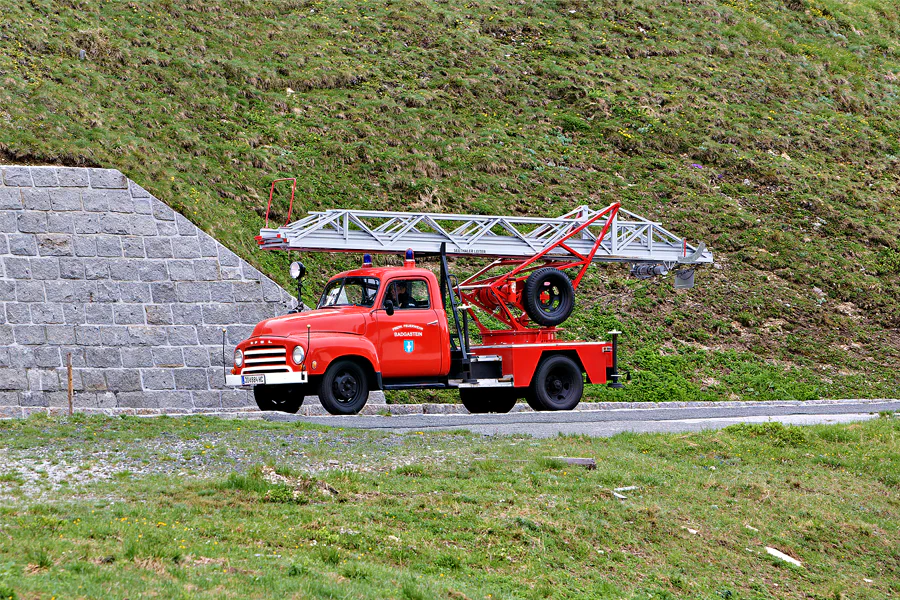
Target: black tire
[
  {"x": 344, "y": 389},
  {"x": 284, "y": 398},
  {"x": 488, "y": 400},
  {"x": 558, "y": 384},
  {"x": 549, "y": 297}
]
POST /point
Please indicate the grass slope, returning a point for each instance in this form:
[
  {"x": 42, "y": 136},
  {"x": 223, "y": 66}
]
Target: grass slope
[
  {"x": 468, "y": 518},
  {"x": 767, "y": 128}
]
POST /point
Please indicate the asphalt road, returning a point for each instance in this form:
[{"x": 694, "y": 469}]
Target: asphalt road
[{"x": 608, "y": 422}]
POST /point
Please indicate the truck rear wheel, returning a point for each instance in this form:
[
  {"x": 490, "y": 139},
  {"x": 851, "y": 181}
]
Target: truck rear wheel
[
  {"x": 285, "y": 398},
  {"x": 344, "y": 388},
  {"x": 488, "y": 400},
  {"x": 548, "y": 297},
  {"x": 558, "y": 384}
]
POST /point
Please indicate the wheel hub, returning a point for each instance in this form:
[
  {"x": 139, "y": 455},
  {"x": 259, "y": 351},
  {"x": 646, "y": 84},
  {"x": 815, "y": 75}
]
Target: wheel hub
[{"x": 345, "y": 386}]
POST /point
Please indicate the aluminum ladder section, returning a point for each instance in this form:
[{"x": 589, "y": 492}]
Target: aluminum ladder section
[{"x": 631, "y": 238}]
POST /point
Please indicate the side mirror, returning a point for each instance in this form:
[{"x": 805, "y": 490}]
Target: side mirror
[{"x": 389, "y": 307}]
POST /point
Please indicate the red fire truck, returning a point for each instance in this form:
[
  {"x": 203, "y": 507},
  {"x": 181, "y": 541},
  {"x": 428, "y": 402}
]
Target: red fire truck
[{"x": 396, "y": 328}]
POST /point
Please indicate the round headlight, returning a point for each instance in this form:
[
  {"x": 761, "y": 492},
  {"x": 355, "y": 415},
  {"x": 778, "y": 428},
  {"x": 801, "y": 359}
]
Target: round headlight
[
  {"x": 298, "y": 355},
  {"x": 238, "y": 358},
  {"x": 297, "y": 270}
]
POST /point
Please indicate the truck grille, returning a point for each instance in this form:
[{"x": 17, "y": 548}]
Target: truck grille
[{"x": 268, "y": 359}]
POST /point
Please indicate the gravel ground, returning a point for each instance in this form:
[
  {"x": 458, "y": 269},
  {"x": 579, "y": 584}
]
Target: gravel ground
[{"x": 48, "y": 471}]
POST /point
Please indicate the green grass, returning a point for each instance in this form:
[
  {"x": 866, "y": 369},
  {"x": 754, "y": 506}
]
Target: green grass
[
  {"x": 768, "y": 129},
  {"x": 493, "y": 519}
]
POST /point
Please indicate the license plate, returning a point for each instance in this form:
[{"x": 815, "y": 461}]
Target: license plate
[{"x": 252, "y": 379}]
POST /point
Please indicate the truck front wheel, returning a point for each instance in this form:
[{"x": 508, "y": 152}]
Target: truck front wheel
[
  {"x": 557, "y": 384},
  {"x": 488, "y": 400},
  {"x": 286, "y": 398},
  {"x": 344, "y": 388}
]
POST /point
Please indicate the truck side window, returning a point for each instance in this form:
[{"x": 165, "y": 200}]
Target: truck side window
[{"x": 408, "y": 293}]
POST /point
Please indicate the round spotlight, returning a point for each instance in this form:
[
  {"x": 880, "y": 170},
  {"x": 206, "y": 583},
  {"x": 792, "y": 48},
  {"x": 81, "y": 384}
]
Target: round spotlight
[{"x": 297, "y": 270}]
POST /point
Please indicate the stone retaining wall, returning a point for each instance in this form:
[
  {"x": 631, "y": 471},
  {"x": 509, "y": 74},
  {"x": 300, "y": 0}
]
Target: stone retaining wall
[{"x": 91, "y": 264}]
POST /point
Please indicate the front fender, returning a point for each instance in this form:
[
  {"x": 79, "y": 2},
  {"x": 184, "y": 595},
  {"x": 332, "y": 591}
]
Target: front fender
[{"x": 326, "y": 348}]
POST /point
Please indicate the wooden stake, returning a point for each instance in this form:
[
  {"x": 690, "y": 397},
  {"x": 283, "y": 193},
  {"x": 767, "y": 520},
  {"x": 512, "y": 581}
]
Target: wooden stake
[{"x": 71, "y": 386}]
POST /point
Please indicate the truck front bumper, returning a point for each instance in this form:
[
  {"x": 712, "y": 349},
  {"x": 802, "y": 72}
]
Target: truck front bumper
[{"x": 267, "y": 379}]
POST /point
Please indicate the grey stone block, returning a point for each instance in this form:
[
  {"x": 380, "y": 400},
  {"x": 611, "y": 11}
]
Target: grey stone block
[
  {"x": 158, "y": 379},
  {"x": 123, "y": 380},
  {"x": 182, "y": 335},
  {"x": 54, "y": 244},
  {"x": 70, "y": 268},
  {"x": 22, "y": 357},
  {"x": 107, "y": 178},
  {"x": 7, "y": 218},
  {"x": 208, "y": 399},
  {"x": 186, "y": 247},
  {"x": 22, "y": 244},
  {"x": 231, "y": 273},
  {"x": 209, "y": 247},
  {"x": 43, "y": 381},
  {"x": 221, "y": 291},
  {"x": 190, "y": 379},
  {"x": 68, "y": 291},
  {"x": 175, "y": 400},
  {"x": 272, "y": 292},
  {"x": 237, "y": 399},
  {"x": 247, "y": 291},
  {"x": 137, "y": 400},
  {"x": 103, "y": 357},
  {"x": 168, "y": 357},
  {"x": 206, "y": 269},
  {"x": 120, "y": 202},
  {"x": 34, "y": 399},
  {"x": 110, "y": 246},
  {"x": 17, "y": 177},
  {"x": 161, "y": 211},
  {"x": 45, "y": 268},
  {"x": 60, "y": 223},
  {"x": 210, "y": 335},
  {"x": 250, "y": 273},
  {"x": 187, "y": 314},
  {"x": 13, "y": 379},
  {"x": 61, "y": 334},
  {"x": 181, "y": 270},
  {"x": 185, "y": 227},
  {"x": 18, "y": 313},
  {"x": 158, "y": 247},
  {"x": 133, "y": 247},
  {"x": 219, "y": 314},
  {"x": 137, "y": 356},
  {"x": 30, "y": 335},
  {"x": 17, "y": 268},
  {"x": 122, "y": 269},
  {"x": 76, "y": 352},
  {"x": 129, "y": 314},
  {"x": 93, "y": 380},
  {"x": 114, "y": 335},
  {"x": 166, "y": 228},
  {"x": 143, "y": 225},
  {"x": 106, "y": 291},
  {"x": 133, "y": 291},
  {"x": 86, "y": 224},
  {"x": 159, "y": 314},
  {"x": 147, "y": 335},
  {"x": 7, "y": 290},
  {"x": 227, "y": 258},
  {"x": 74, "y": 314},
  {"x": 4, "y": 248},
  {"x": 114, "y": 224},
  {"x": 44, "y": 176},
  {"x": 96, "y": 269},
  {"x": 72, "y": 177},
  {"x": 192, "y": 292},
  {"x": 87, "y": 335},
  {"x": 46, "y": 313},
  {"x": 216, "y": 357},
  {"x": 215, "y": 378},
  {"x": 152, "y": 270},
  {"x": 95, "y": 201},
  {"x": 99, "y": 314},
  {"x": 12, "y": 399},
  {"x": 162, "y": 293},
  {"x": 10, "y": 199},
  {"x": 36, "y": 199},
  {"x": 253, "y": 313},
  {"x": 67, "y": 199},
  {"x": 142, "y": 206},
  {"x": 137, "y": 191},
  {"x": 31, "y": 221},
  {"x": 195, "y": 356},
  {"x": 29, "y": 291}
]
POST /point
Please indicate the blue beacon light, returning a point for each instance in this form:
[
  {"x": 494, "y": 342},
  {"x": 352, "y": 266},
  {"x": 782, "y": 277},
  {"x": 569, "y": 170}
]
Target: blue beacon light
[
  {"x": 367, "y": 260},
  {"x": 410, "y": 260}
]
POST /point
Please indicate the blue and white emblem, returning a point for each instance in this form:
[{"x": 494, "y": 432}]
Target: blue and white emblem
[{"x": 409, "y": 346}]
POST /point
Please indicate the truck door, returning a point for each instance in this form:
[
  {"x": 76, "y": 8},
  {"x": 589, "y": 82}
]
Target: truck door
[{"x": 409, "y": 341}]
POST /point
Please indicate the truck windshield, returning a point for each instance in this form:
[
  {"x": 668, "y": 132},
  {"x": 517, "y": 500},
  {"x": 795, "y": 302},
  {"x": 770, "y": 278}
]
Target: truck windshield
[{"x": 350, "y": 291}]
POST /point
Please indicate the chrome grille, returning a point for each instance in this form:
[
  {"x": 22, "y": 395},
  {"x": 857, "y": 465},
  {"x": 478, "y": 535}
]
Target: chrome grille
[{"x": 265, "y": 359}]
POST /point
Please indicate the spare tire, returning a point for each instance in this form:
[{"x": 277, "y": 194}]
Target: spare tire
[{"x": 548, "y": 297}]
